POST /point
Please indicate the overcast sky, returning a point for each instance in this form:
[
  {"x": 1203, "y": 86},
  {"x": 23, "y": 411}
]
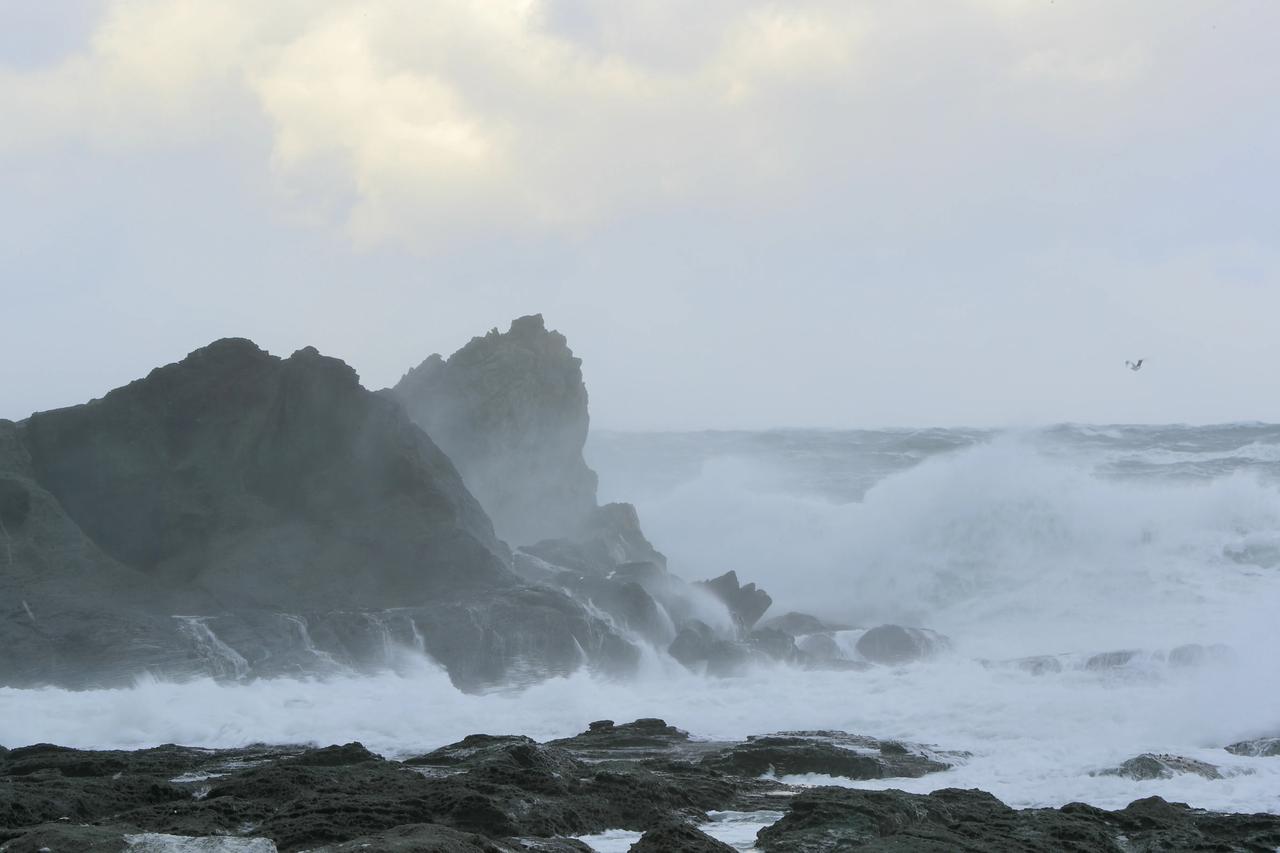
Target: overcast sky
[{"x": 741, "y": 214}]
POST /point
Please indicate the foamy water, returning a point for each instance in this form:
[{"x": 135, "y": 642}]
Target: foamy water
[{"x": 1012, "y": 545}]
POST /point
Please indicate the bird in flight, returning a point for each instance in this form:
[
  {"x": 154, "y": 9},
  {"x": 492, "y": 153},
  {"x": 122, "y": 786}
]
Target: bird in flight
[{"x": 1134, "y": 365}]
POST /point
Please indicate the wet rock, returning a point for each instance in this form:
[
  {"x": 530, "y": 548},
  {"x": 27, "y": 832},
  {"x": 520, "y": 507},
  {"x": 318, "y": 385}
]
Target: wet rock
[
  {"x": 64, "y": 837},
  {"x": 799, "y": 624},
  {"x": 334, "y": 756},
  {"x": 1152, "y": 766},
  {"x": 826, "y": 753},
  {"x": 627, "y": 604},
  {"x": 677, "y": 837},
  {"x": 746, "y": 603},
  {"x": 418, "y": 838},
  {"x": 895, "y": 644},
  {"x": 15, "y": 503},
  {"x": 644, "y": 738},
  {"x": 612, "y": 532},
  {"x": 825, "y": 819},
  {"x": 775, "y": 644},
  {"x": 822, "y": 647},
  {"x": 1110, "y": 660},
  {"x": 698, "y": 647},
  {"x": 1262, "y": 747},
  {"x": 507, "y": 759}
]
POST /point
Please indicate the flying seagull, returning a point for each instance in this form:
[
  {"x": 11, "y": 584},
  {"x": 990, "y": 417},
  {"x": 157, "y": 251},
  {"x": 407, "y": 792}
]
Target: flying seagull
[{"x": 1134, "y": 365}]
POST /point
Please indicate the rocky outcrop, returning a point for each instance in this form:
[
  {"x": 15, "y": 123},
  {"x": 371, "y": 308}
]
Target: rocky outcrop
[
  {"x": 510, "y": 410},
  {"x": 266, "y": 481},
  {"x": 508, "y": 793},
  {"x": 825, "y": 819},
  {"x": 298, "y": 522},
  {"x": 746, "y": 603}
]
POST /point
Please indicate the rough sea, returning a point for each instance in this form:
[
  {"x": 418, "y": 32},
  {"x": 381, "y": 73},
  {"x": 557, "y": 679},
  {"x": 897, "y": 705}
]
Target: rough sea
[{"x": 1064, "y": 543}]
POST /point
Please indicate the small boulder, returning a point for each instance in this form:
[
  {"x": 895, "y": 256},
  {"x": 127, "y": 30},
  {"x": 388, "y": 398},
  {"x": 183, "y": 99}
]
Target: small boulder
[
  {"x": 894, "y": 644},
  {"x": 677, "y": 837},
  {"x": 799, "y": 624},
  {"x": 820, "y": 647}
]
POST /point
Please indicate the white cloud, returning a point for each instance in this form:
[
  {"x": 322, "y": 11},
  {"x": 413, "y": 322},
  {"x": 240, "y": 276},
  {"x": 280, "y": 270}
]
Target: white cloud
[{"x": 397, "y": 119}]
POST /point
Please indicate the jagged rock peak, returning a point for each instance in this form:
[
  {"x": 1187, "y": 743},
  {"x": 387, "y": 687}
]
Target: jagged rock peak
[{"x": 510, "y": 410}]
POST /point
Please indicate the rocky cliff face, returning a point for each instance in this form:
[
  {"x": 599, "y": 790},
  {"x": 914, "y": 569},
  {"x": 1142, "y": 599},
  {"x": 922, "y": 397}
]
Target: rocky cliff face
[
  {"x": 510, "y": 410},
  {"x": 278, "y": 506}
]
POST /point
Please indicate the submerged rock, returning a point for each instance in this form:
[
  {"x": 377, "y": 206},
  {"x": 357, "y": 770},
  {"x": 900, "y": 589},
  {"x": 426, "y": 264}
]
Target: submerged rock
[
  {"x": 1111, "y": 660},
  {"x": 1262, "y": 747},
  {"x": 1151, "y": 766},
  {"x": 1195, "y": 654},
  {"x": 894, "y": 644}
]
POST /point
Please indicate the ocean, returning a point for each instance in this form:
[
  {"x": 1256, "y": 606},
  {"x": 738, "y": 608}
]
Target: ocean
[{"x": 1061, "y": 544}]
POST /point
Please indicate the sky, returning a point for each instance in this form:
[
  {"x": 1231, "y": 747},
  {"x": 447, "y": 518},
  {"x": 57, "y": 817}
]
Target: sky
[{"x": 826, "y": 213}]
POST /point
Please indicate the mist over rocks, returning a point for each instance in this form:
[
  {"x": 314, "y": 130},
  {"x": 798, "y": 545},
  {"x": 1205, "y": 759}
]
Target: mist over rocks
[
  {"x": 301, "y": 523},
  {"x": 510, "y": 410}
]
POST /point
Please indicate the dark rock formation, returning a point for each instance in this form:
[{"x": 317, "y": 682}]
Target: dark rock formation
[
  {"x": 266, "y": 482},
  {"x": 1262, "y": 747},
  {"x": 828, "y": 753},
  {"x": 510, "y": 409},
  {"x": 678, "y": 837},
  {"x": 746, "y": 603},
  {"x": 505, "y": 794},
  {"x": 894, "y": 644},
  {"x": 826, "y": 819},
  {"x": 281, "y": 506},
  {"x": 1151, "y": 766}
]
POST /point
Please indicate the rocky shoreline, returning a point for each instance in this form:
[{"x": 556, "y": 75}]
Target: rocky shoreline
[{"x": 506, "y": 793}]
